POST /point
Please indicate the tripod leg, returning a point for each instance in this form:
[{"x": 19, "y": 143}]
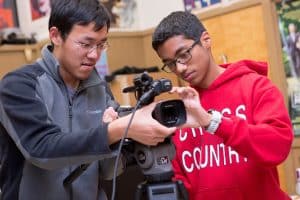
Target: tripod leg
[{"x": 182, "y": 190}]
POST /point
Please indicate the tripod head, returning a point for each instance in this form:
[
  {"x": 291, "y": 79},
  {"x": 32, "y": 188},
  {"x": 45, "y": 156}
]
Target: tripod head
[{"x": 155, "y": 162}]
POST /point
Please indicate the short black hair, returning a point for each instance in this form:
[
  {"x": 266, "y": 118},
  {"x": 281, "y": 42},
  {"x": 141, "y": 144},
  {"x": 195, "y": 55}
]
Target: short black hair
[
  {"x": 177, "y": 23},
  {"x": 67, "y": 13}
]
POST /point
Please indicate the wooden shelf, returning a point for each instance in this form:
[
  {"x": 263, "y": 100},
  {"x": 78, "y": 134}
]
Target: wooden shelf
[{"x": 224, "y": 8}]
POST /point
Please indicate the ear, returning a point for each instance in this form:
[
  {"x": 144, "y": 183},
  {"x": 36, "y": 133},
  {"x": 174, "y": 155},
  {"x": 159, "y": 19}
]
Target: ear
[
  {"x": 205, "y": 40},
  {"x": 55, "y": 36}
]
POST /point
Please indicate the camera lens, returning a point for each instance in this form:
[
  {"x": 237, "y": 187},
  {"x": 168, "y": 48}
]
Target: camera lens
[{"x": 169, "y": 114}]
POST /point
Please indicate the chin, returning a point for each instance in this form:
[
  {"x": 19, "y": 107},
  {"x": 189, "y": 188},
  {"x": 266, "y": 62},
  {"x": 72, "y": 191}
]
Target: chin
[
  {"x": 83, "y": 77},
  {"x": 194, "y": 84}
]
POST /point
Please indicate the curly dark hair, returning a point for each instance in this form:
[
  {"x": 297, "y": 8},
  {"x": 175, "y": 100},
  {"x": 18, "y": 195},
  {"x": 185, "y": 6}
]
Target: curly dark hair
[{"x": 177, "y": 23}]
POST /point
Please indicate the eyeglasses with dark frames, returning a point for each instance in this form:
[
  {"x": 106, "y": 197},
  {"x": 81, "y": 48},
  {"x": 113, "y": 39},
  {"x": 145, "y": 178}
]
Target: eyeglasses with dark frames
[{"x": 182, "y": 58}]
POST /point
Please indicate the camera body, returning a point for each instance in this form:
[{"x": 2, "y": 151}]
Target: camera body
[{"x": 155, "y": 161}]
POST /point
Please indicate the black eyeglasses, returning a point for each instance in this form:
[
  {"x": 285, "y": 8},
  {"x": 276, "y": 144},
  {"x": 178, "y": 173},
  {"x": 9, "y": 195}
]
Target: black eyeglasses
[{"x": 182, "y": 58}]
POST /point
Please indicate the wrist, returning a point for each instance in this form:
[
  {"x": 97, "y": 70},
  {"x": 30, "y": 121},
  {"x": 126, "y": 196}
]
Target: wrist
[
  {"x": 114, "y": 131},
  {"x": 206, "y": 120}
]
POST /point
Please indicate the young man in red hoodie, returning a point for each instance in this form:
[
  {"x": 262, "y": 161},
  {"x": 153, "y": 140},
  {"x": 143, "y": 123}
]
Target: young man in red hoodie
[{"x": 239, "y": 128}]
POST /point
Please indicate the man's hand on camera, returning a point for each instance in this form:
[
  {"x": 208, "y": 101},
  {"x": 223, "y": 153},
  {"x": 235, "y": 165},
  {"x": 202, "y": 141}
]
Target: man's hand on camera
[{"x": 144, "y": 129}]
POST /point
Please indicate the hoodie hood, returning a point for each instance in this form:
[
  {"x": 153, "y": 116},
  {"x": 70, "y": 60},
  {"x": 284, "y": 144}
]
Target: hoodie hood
[
  {"x": 238, "y": 69},
  {"x": 257, "y": 66}
]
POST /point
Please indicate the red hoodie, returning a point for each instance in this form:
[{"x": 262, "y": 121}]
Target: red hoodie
[{"x": 239, "y": 161}]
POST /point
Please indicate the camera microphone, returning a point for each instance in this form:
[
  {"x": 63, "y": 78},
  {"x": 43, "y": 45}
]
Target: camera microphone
[{"x": 157, "y": 87}]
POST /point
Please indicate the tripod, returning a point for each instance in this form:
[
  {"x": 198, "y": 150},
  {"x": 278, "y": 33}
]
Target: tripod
[
  {"x": 161, "y": 191},
  {"x": 155, "y": 163}
]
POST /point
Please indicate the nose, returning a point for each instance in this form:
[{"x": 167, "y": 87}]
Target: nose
[{"x": 94, "y": 53}]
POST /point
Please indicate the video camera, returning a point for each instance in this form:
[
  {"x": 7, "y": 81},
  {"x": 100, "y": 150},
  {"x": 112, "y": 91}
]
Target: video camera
[
  {"x": 155, "y": 161},
  {"x": 169, "y": 113}
]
